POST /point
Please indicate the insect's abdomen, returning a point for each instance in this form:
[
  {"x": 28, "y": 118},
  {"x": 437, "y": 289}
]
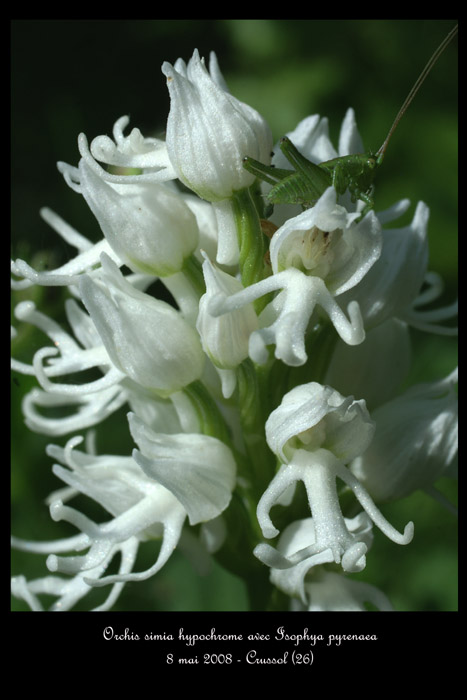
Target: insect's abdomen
[{"x": 296, "y": 190}]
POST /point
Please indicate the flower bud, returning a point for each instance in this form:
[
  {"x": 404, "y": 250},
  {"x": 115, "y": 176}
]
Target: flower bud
[
  {"x": 146, "y": 338},
  {"x": 149, "y": 226},
  {"x": 224, "y": 338},
  {"x": 415, "y": 441},
  {"x": 374, "y": 370},
  {"x": 392, "y": 284},
  {"x": 209, "y": 131}
]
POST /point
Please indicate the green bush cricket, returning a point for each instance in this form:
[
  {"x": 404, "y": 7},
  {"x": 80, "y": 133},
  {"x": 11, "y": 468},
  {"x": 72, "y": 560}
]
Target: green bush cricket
[{"x": 355, "y": 173}]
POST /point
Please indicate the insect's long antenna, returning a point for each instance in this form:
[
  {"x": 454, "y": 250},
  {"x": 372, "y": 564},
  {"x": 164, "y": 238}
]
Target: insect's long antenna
[{"x": 416, "y": 87}]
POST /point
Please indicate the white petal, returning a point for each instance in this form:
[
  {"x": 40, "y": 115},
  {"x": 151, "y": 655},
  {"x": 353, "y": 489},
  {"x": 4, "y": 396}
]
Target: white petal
[
  {"x": 224, "y": 338},
  {"x": 207, "y": 155},
  {"x": 349, "y": 139},
  {"x": 146, "y": 338},
  {"x": 199, "y": 470},
  {"x": 318, "y": 415}
]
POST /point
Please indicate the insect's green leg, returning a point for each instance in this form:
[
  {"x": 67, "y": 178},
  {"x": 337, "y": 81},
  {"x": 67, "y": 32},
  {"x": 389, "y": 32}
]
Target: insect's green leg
[
  {"x": 369, "y": 204},
  {"x": 340, "y": 178},
  {"x": 315, "y": 179},
  {"x": 341, "y": 182},
  {"x": 265, "y": 172}
]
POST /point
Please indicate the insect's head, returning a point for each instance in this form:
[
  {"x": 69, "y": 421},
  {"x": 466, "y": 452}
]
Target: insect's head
[
  {"x": 373, "y": 161},
  {"x": 378, "y": 157}
]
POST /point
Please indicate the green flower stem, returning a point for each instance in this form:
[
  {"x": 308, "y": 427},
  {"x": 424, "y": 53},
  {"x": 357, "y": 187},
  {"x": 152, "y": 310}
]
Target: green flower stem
[
  {"x": 236, "y": 555},
  {"x": 212, "y": 423},
  {"x": 320, "y": 342},
  {"x": 250, "y": 241},
  {"x": 211, "y": 420},
  {"x": 193, "y": 271},
  {"x": 187, "y": 287},
  {"x": 254, "y": 409}
]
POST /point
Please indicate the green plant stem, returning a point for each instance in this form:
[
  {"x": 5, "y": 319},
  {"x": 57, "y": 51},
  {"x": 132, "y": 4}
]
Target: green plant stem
[
  {"x": 211, "y": 420},
  {"x": 193, "y": 271},
  {"x": 253, "y": 412},
  {"x": 250, "y": 241}
]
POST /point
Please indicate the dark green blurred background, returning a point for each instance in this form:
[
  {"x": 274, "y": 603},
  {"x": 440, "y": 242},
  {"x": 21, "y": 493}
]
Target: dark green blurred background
[{"x": 70, "y": 76}]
